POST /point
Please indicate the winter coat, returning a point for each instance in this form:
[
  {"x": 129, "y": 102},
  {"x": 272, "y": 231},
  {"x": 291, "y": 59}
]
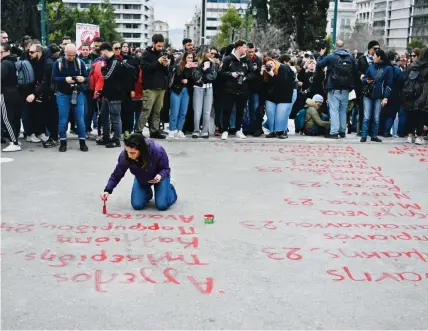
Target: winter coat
[
  {"x": 155, "y": 75},
  {"x": 313, "y": 117},
  {"x": 381, "y": 73},
  {"x": 254, "y": 86},
  {"x": 158, "y": 164},
  {"x": 186, "y": 73},
  {"x": 9, "y": 80},
  {"x": 421, "y": 103},
  {"x": 43, "y": 76},
  {"x": 243, "y": 65},
  {"x": 279, "y": 87},
  {"x": 68, "y": 69},
  {"x": 96, "y": 79}
]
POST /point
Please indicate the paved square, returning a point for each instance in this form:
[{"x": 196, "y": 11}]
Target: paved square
[{"x": 308, "y": 234}]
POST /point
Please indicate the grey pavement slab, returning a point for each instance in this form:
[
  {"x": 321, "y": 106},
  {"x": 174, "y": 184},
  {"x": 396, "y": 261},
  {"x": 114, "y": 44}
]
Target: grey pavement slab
[{"x": 308, "y": 234}]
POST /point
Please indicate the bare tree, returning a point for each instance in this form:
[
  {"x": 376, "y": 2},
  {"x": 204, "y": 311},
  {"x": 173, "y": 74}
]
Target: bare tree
[
  {"x": 360, "y": 37},
  {"x": 267, "y": 37}
]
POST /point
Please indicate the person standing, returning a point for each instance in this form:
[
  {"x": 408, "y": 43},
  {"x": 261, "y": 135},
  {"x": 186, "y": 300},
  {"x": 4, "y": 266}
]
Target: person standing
[
  {"x": 237, "y": 70},
  {"x": 69, "y": 74},
  {"x": 341, "y": 76},
  {"x": 255, "y": 115},
  {"x": 10, "y": 100},
  {"x": 155, "y": 67}
]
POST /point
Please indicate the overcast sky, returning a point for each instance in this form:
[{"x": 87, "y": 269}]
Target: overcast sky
[{"x": 175, "y": 12}]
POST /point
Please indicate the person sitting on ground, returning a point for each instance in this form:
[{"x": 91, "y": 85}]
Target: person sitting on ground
[
  {"x": 148, "y": 162},
  {"x": 316, "y": 123}
]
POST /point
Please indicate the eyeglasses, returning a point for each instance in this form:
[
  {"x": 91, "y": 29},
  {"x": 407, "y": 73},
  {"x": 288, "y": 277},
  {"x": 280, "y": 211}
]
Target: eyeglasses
[
  {"x": 117, "y": 48},
  {"x": 213, "y": 53}
]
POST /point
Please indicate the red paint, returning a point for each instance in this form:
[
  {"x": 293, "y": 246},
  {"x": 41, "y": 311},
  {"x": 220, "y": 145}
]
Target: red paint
[
  {"x": 20, "y": 228},
  {"x": 104, "y": 207},
  {"x": 282, "y": 253},
  {"x": 186, "y": 243},
  {"x": 401, "y": 236},
  {"x": 101, "y": 278},
  {"x": 345, "y": 273}
]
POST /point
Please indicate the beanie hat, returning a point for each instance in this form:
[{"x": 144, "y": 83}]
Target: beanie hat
[
  {"x": 372, "y": 44},
  {"x": 317, "y": 98}
]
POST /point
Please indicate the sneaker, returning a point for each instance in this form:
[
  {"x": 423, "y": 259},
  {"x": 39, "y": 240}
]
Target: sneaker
[
  {"x": 43, "y": 138},
  {"x": 410, "y": 139},
  {"x": 240, "y": 135},
  {"x": 205, "y": 135},
  {"x": 420, "y": 141},
  {"x": 51, "y": 143},
  {"x": 363, "y": 139},
  {"x": 180, "y": 135},
  {"x": 171, "y": 134},
  {"x": 102, "y": 141},
  {"x": 224, "y": 135},
  {"x": 376, "y": 139},
  {"x": 12, "y": 148},
  {"x": 33, "y": 139},
  {"x": 157, "y": 135},
  {"x": 331, "y": 136},
  {"x": 112, "y": 144},
  {"x": 271, "y": 135},
  {"x": 395, "y": 136},
  {"x": 342, "y": 134},
  {"x": 258, "y": 134},
  {"x": 195, "y": 135}
]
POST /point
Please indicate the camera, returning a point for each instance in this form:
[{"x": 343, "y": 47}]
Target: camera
[
  {"x": 240, "y": 77},
  {"x": 321, "y": 43},
  {"x": 74, "y": 94},
  {"x": 268, "y": 67}
]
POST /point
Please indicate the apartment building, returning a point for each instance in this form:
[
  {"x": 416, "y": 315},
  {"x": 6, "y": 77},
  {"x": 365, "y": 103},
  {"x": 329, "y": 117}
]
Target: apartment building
[
  {"x": 214, "y": 9},
  {"x": 134, "y": 19},
  {"x": 192, "y": 30},
  {"x": 419, "y": 30},
  {"x": 346, "y": 17},
  {"x": 161, "y": 27},
  {"x": 365, "y": 12}
]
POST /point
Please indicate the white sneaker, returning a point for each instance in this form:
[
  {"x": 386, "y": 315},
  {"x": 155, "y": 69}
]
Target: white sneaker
[
  {"x": 420, "y": 141},
  {"x": 43, "y": 137},
  {"x": 12, "y": 148},
  {"x": 224, "y": 135},
  {"x": 33, "y": 139},
  {"x": 240, "y": 135},
  {"x": 180, "y": 135},
  {"x": 171, "y": 134},
  {"x": 410, "y": 139}
]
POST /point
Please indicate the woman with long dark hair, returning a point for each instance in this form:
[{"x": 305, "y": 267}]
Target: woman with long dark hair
[
  {"x": 377, "y": 85},
  {"x": 182, "y": 78},
  {"x": 148, "y": 162}
]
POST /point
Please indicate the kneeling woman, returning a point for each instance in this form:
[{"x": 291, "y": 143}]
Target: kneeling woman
[{"x": 148, "y": 162}]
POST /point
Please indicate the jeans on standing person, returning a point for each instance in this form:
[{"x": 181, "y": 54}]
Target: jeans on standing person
[
  {"x": 202, "y": 104},
  {"x": 338, "y": 104},
  {"x": 402, "y": 118},
  {"x": 372, "y": 108},
  {"x": 178, "y": 109},
  {"x": 277, "y": 115},
  {"x": 165, "y": 194},
  {"x": 110, "y": 112},
  {"x": 253, "y": 106},
  {"x": 64, "y": 107}
]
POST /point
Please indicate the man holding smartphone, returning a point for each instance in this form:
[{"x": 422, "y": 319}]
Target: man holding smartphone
[{"x": 155, "y": 68}]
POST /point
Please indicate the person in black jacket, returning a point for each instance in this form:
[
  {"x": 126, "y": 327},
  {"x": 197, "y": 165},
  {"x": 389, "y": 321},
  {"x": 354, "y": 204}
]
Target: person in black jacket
[
  {"x": 254, "y": 112},
  {"x": 43, "y": 111},
  {"x": 237, "y": 71},
  {"x": 155, "y": 67},
  {"x": 112, "y": 93},
  {"x": 278, "y": 93},
  {"x": 10, "y": 101}
]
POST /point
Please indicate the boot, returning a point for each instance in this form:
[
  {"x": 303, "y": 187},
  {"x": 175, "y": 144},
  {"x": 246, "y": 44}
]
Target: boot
[
  {"x": 63, "y": 146},
  {"x": 83, "y": 146}
]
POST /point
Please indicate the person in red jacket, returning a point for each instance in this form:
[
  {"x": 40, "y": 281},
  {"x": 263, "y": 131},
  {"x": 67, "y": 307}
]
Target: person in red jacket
[
  {"x": 96, "y": 84},
  {"x": 138, "y": 97}
]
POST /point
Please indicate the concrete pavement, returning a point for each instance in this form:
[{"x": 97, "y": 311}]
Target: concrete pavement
[{"x": 308, "y": 234}]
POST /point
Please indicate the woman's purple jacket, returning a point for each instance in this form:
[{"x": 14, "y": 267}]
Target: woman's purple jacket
[{"x": 158, "y": 164}]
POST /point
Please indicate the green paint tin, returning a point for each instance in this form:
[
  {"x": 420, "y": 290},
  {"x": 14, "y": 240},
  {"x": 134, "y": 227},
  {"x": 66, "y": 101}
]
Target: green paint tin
[{"x": 209, "y": 219}]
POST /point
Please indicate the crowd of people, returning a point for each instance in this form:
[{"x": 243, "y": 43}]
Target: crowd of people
[{"x": 111, "y": 91}]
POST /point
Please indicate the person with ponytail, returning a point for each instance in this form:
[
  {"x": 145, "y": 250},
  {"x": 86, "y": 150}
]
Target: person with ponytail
[{"x": 149, "y": 163}]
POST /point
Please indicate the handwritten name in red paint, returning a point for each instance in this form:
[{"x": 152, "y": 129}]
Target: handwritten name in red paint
[
  {"x": 327, "y": 171},
  {"x": 376, "y": 203},
  {"x": 399, "y": 237},
  {"x": 420, "y": 152},
  {"x": 321, "y": 161},
  {"x": 100, "y": 278},
  {"x": 345, "y": 273},
  {"x": 302, "y": 184},
  {"x": 296, "y": 254},
  {"x": 379, "y": 214},
  {"x": 275, "y": 225},
  {"x": 20, "y": 228},
  {"x": 63, "y": 260},
  {"x": 327, "y": 165},
  {"x": 185, "y": 219}
]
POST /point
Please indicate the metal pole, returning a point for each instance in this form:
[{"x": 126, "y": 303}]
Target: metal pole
[
  {"x": 336, "y": 2},
  {"x": 43, "y": 22}
]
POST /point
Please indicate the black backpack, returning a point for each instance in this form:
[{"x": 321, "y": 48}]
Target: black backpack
[
  {"x": 413, "y": 86},
  {"x": 342, "y": 72}
]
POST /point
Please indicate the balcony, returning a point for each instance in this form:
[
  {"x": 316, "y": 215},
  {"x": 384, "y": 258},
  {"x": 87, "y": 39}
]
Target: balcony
[{"x": 420, "y": 11}]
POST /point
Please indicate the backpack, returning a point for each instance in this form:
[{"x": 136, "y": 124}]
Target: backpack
[
  {"x": 299, "y": 120},
  {"x": 24, "y": 72},
  {"x": 413, "y": 86},
  {"x": 342, "y": 71}
]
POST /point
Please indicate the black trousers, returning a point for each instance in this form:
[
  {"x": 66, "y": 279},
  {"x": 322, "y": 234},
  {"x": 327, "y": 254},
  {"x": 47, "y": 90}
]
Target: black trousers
[
  {"x": 37, "y": 117},
  {"x": 10, "y": 105},
  {"x": 229, "y": 100},
  {"x": 52, "y": 117},
  {"x": 127, "y": 114},
  {"x": 415, "y": 121}
]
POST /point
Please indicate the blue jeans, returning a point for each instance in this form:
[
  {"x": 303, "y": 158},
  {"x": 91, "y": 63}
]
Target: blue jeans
[
  {"x": 318, "y": 130},
  {"x": 277, "y": 115},
  {"x": 338, "y": 104},
  {"x": 178, "y": 109},
  {"x": 401, "y": 127},
  {"x": 165, "y": 195},
  {"x": 63, "y": 101},
  {"x": 372, "y": 108},
  {"x": 253, "y": 105}
]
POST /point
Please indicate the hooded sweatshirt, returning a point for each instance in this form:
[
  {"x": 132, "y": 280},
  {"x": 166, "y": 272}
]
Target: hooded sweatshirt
[
  {"x": 158, "y": 164},
  {"x": 242, "y": 65}
]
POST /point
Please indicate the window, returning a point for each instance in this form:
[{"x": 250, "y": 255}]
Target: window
[
  {"x": 136, "y": 17},
  {"x": 84, "y": 5},
  {"x": 116, "y": 6},
  {"x": 211, "y": 28},
  {"x": 136, "y": 35},
  {"x": 348, "y": 22},
  {"x": 342, "y": 21},
  {"x": 127, "y": 16},
  {"x": 135, "y": 26},
  {"x": 118, "y": 16},
  {"x": 136, "y": 7},
  {"x": 128, "y": 26},
  {"x": 211, "y": 18}
]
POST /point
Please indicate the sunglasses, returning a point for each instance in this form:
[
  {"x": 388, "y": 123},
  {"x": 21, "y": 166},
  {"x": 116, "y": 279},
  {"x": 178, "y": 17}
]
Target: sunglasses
[
  {"x": 116, "y": 48},
  {"x": 413, "y": 55}
]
